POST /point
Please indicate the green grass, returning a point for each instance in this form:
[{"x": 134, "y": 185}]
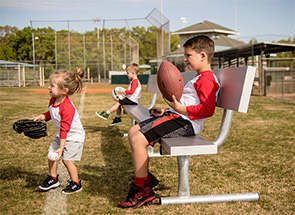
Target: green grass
[{"x": 258, "y": 156}]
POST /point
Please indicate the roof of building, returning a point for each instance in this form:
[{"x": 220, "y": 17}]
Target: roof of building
[
  {"x": 255, "y": 49},
  {"x": 221, "y": 42},
  {"x": 205, "y": 27},
  {"x": 4, "y": 63}
]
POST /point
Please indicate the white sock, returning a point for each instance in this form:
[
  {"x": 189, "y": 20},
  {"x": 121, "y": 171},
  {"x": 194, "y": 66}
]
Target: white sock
[
  {"x": 108, "y": 112},
  {"x": 118, "y": 116}
]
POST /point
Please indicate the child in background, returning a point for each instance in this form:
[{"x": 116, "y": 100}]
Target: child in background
[
  {"x": 133, "y": 95},
  {"x": 69, "y": 139},
  {"x": 183, "y": 118}
]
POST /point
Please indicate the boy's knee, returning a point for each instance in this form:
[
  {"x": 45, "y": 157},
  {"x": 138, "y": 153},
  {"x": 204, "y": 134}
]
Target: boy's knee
[
  {"x": 138, "y": 139},
  {"x": 133, "y": 130}
]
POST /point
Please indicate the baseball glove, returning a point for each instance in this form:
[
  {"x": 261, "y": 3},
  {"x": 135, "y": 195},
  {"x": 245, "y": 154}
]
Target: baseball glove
[{"x": 31, "y": 128}]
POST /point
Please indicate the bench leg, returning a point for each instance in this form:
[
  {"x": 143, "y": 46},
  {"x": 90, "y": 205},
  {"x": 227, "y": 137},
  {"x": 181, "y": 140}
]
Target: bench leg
[
  {"x": 184, "y": 190},
  {"x": 151, "y": 152},
  {"x": 150, "y": 149},
  {"x": 183, "y": 180},
  {"x": 133, "y": 122}
]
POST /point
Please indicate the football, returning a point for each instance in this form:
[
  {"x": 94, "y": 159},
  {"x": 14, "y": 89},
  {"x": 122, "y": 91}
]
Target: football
[
  {"x": 170, "y": 81},
  {"x": 116, "y": 96}
]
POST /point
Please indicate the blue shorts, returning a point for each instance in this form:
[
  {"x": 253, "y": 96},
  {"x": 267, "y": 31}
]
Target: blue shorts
[{"x": 168, "y": 125}]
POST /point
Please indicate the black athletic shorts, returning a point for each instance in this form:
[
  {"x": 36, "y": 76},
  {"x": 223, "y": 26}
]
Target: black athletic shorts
[
  {"x": 127, "y": 101},
  {"x": 167, "y": 125}
]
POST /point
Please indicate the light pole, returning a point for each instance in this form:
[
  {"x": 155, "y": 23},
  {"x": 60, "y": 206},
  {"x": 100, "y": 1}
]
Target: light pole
[
  {"x": 183, "y": 20},
  {"x": 97, "y": 20},
  {"x": 33, "y": 43}
]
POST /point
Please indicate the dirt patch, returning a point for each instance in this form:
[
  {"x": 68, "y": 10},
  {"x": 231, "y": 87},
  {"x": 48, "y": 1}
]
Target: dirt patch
[{"x": 101, "y": 90}]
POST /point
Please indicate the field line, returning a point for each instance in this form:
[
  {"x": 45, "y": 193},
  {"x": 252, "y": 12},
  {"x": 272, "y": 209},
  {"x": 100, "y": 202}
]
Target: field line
[{"x": 56, "y": 202}]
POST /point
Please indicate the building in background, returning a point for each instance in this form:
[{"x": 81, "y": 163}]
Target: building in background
[{"x": 217, "y": 33}]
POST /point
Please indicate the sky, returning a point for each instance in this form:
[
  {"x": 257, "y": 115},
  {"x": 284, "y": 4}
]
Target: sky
[{"x": 267, "y": 20}]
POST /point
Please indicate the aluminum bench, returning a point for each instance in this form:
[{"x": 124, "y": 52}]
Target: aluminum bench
[{"x": 235, "y": 92}]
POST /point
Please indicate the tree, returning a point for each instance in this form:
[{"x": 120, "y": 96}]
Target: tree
[
  {"x": 51, "y": 48},
  {"x": 174, "y": 41},
  {"x": 147, "y": 43},
  {"x": 290, "y": 55},
  {"x": 22, "y": 44},
  {"x": 44, "y": 45},
  {"x": 6, "y": 49}
]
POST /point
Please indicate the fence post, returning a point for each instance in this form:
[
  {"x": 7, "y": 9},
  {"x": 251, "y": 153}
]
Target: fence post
[
  {"x": 18, "y": 72},
  {"x": 40, "y": 76},
  {"x": 24, "y": 76},
  {"x": 283, "y": 77},
  {"x": 43, "y": 80}
]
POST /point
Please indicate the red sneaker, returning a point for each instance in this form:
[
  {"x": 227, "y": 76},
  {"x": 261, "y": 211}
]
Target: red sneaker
[
  {"x": 152, "y": 181},
  {"x": 137, "y": 196}
]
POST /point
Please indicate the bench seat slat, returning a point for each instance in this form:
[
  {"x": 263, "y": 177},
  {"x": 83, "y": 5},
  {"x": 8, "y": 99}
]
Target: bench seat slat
[
  {"x": 137, "y": 112},
  {"x": 192, "y": 145}
]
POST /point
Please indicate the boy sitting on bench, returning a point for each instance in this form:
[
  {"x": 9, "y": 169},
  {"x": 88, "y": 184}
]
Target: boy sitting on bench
[
  {"x": 183, "y": 118},
  {"x": 133, "y": 95}
]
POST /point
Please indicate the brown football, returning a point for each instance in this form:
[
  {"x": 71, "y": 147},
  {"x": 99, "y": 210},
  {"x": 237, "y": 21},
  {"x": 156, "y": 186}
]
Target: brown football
[{"x": 170, "y": 81}]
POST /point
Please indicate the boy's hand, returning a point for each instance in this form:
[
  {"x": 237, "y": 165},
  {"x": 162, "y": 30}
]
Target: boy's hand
[
  {"x": 175, "y": 105},
  {"x": 120, "y": 91},
  {"x": 156, "y": 111}
]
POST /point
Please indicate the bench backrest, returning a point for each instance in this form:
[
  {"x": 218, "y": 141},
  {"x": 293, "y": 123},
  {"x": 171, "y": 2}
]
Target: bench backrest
[
  {"x": 236, "y": 86},
  {"x": 152, "y": 85}
]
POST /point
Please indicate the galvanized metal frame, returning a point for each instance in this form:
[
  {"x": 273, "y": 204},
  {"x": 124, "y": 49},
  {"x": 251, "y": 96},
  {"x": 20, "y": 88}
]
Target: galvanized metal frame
[{"x": 183, "y": 175}]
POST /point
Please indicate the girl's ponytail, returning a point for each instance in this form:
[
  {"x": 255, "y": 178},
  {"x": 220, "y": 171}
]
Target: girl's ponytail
[{"x": 78, "y": 75}]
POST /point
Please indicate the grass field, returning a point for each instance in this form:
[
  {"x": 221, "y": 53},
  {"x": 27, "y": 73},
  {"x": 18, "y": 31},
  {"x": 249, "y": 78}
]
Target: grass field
[{"x": 258, "y": 156}]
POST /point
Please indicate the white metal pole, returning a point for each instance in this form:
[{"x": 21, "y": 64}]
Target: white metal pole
[
  {"x": 55, "y": 50},
  {"x": 238, "y": 197},
  {"x": 162, "y": 31},
  {"x": 24, "y": 76},
  {"x": 40, "y": 76},
  {"x": 84, "y": 55},
  {"x": 18, "y": 71},
  {"x": 112, "y": 58},
  {"x": 43, "y": 81},
  {"x": 103, "y": 53},
  {"x": 33, "y": 43}
]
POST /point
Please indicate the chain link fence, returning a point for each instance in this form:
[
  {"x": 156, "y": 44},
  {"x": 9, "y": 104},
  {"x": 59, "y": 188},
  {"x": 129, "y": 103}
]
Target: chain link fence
[
  {"x": 20, "y": 74},
  {"x": 280, "y": 83}
]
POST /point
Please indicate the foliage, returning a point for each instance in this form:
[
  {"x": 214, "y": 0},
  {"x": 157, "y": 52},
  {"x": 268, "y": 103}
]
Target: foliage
[
  {"x": 147, "y": 43},
  {"x": 290, "y": 64},
  {"x": 17, "y": 45},
  {"x": 253, "y": 41},
  {"x": 174, "y": 42},
  {"x": 51, "y": 48},
  {"x": 6, "y": 35}
]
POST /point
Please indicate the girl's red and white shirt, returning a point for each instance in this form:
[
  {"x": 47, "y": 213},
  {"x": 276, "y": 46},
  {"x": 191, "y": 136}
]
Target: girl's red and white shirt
[{"x": 66, "y": 120}]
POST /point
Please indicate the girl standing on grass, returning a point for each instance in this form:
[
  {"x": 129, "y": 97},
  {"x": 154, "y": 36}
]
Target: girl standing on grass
[{"x": 69, "y": 139}]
